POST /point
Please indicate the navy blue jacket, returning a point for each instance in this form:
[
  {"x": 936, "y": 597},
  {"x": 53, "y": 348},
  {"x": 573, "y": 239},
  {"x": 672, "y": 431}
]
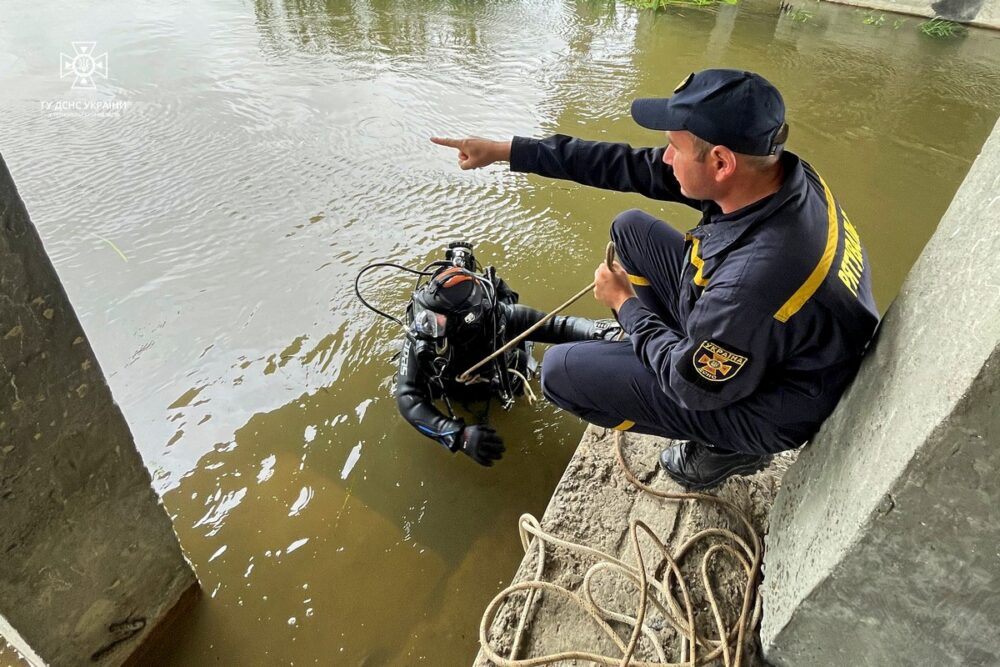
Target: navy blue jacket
[{"x": 775, "y": 300}]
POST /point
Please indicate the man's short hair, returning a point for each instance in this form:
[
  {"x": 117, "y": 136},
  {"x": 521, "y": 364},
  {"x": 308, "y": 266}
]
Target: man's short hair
[{"x": 755, "y": 162}]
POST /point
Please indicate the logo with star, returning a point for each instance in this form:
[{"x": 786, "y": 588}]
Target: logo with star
[
  {"x": 84, "y": 65},
  {"x": 717, "y": 364}
]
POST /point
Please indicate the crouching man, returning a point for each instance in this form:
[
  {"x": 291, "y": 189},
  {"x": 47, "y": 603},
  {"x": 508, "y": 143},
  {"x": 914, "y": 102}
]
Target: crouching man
[{"x": 744, "y": 332}]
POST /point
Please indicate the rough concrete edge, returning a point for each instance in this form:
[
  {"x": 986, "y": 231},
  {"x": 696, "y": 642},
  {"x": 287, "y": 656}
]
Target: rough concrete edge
[
  {"x": 158, "y": 633},
  {"x": 187, "y": 579},
  {"x": 908, "y": 10},
  {"x": 601, "y": 436},
  {"x": 525, "y": 570},
  {"x": 809, "y": 453},
  {"x": 813, "y": 456},
  {"x": 912, "y": 10},
  {"x": 897, "y": 490}
]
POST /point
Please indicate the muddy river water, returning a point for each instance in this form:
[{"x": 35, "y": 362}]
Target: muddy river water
[{"x": 208, "y": 203}]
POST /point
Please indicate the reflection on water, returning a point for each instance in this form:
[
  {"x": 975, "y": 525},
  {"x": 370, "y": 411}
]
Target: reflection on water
[{"x": 209, "y": 237}]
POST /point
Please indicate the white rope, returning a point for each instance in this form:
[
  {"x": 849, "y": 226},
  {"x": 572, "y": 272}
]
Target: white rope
[
  {"x": 527, "y": 387},
  {"x": 746, "y": 554}
]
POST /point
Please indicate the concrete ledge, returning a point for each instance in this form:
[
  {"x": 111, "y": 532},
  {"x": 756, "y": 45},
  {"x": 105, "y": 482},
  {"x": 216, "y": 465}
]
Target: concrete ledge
[
  {"x": 160, "y": 632},
  {"x": 981, "y": 13},
  {"x": 593, "y": 504},
  {"x": 886, "y": 530},
  {"x": 89, "y": 562}
]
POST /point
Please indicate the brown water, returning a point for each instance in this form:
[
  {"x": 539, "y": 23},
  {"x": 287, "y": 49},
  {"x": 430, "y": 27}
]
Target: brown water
[{"x": 208, "y": 236}]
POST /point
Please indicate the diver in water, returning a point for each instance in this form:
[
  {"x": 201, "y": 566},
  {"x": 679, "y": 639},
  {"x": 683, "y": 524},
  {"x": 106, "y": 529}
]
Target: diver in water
[{"x": 456, "y": 319}]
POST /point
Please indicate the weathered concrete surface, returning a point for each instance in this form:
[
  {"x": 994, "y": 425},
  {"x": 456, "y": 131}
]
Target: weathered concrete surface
[
  {"x": 593, "y": 505},
  {"x": 89, "y": 562},
  {"x": 887, "y": 529},
  {"x": 983, "y": 13}
]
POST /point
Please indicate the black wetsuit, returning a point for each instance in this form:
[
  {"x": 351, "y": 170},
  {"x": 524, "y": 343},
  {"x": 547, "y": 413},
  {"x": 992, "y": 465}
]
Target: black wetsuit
[{"x": 416, "y": 389}]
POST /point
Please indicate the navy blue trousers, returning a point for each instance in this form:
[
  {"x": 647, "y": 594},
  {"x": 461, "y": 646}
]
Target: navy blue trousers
[{"x": 605, "y": 383}]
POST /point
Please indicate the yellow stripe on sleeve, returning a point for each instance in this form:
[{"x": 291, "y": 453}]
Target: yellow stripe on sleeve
[
  {"x": 624, "y": 426},
  {"x": 698, "y": 262},
  {"x": 638, "y": 280},
  {"x": 815, "y": 279}
]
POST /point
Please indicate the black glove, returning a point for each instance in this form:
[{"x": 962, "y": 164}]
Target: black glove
[
  {"x": 481, "y": 443},
  {"x": 608, "y": 330}
]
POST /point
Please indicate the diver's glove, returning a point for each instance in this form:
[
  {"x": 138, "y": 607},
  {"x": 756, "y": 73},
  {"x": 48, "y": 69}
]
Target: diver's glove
[{"x": 481, "y": 443}]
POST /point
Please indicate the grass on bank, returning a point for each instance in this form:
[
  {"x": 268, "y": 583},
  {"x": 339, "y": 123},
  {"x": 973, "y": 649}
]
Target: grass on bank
[
  {"x": 936, "y": 27},
  {"x": 660, "y": 4},
  {"x": 941, "y": 28}
]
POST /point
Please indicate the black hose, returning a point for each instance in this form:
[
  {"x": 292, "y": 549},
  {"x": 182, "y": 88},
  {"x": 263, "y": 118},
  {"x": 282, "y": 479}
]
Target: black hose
[{"x": 376, "y": 265}]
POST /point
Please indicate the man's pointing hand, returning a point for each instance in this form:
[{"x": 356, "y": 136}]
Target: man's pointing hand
[{"x": 476, "y": 152}]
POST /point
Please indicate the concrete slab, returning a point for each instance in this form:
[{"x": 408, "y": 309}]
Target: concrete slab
[
  {"x": 593, "y": 505},
  {"x": 982, "y": 13},
  {"x": 89, "y": 562},
  {"x": 886, "y": 530}
]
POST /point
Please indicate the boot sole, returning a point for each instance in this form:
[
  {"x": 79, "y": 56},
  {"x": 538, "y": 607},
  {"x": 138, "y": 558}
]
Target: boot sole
[{"x": 738, "y": 471}]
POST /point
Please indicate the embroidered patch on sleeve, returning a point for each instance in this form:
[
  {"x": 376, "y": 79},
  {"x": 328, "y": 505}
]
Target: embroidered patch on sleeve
[{"x": 715, "y": 363}]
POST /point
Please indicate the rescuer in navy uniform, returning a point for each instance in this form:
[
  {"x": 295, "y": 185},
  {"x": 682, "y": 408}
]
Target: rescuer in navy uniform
[{"x": 744, "y": 332}]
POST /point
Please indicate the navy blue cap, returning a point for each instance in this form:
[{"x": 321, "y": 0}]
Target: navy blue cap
[{"x": 740, "y": 110}]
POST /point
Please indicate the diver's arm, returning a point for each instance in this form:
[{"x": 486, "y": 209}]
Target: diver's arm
[
  {"x": 479, "y": 441},
  {"x": 560, "y": 329},
  {"x": 415, "y": 405}
]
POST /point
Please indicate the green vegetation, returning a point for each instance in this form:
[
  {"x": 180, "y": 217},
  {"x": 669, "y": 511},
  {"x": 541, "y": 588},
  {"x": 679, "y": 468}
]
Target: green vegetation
[
  {"x": 800, "y": 15},
  {"x": 941, "y": 28},
  {"x": 660, "y": 4},
  {"x": 874, "y": 18}
]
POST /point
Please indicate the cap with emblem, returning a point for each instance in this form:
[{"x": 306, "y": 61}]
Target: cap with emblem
[{"x": 737, "y": 109}]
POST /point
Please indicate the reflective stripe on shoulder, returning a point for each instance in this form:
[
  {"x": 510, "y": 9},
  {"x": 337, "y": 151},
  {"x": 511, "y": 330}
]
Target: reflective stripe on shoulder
[
  {"x": 639, "y": 280},
  {"x": 815, "y": 279},
  {"x": 697, "y": 262}
]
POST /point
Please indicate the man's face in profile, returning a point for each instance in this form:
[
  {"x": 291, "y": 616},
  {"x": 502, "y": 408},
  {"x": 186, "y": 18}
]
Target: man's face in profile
[{"x": 692, "y": 170}]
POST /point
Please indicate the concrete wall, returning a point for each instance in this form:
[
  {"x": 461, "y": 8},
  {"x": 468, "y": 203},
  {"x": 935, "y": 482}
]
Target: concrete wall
[
  {"x": 984, "y": 13},
  {"x": 884, "y": 538},
  {"x": 89, "y": 562}
]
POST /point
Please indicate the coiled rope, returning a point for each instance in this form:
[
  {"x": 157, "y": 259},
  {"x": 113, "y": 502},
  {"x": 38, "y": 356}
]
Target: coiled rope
[{"x": 650, "y": 591}]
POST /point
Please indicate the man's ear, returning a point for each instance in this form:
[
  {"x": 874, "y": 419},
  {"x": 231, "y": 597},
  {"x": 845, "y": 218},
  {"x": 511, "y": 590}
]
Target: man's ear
[{"x": 724, "y": 162}]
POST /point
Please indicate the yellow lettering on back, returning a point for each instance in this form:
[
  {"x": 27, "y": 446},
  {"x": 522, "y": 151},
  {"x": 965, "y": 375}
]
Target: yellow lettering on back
[{"x": 852, "y": 262}]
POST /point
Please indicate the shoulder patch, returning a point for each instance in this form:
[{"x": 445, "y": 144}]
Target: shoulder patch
[
  {"x": 715, "y": 363},
  {"x": 684, "y": 83}
]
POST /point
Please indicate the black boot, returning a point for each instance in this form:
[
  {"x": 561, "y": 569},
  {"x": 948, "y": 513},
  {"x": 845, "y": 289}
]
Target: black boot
[{"x": 698, "y": 467}]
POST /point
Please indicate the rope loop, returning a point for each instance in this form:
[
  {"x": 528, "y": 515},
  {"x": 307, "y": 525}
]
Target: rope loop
[{"x": 695, "y": 649}]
